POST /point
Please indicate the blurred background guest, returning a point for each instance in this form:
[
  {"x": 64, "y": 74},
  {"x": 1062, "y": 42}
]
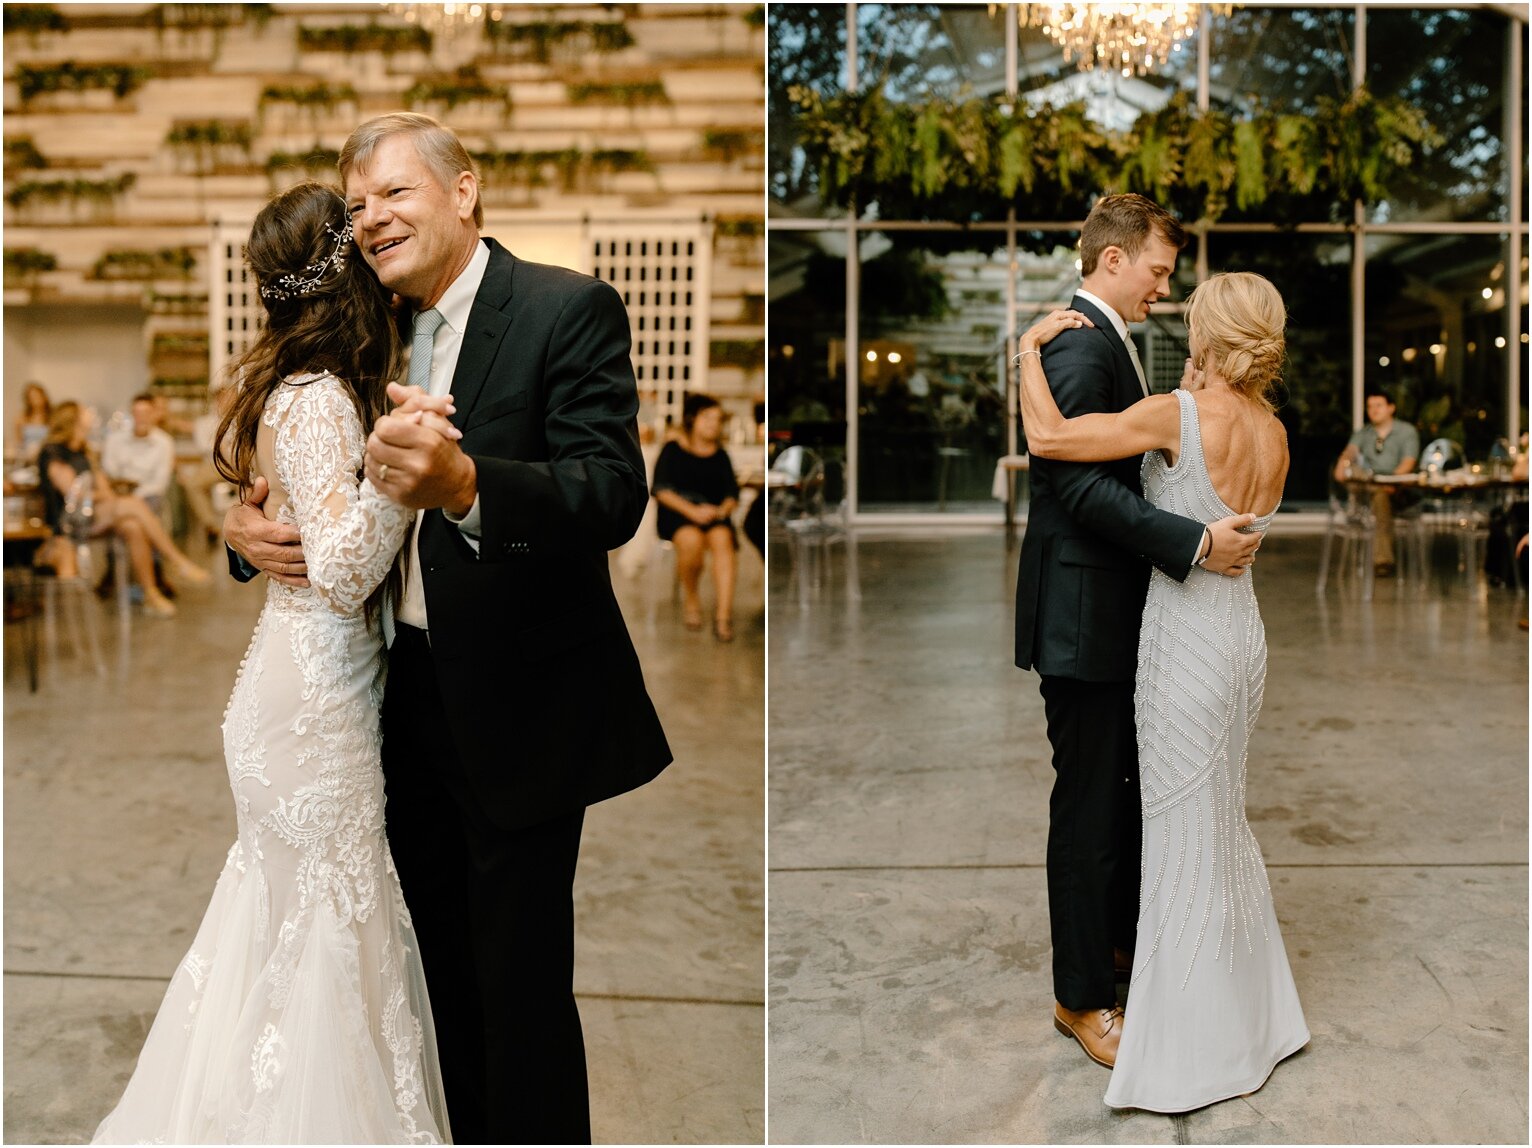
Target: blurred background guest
[
  {"x": 1385, "y": 446},
  {"x": 697, "y": 493},
  {"x": 141, "y": 454},
  {"x": 31, "y": 429},
  {"x": 72, "y": 480}
]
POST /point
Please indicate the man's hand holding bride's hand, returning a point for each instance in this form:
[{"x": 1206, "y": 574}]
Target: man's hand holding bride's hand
[
  {"x": 272, "y": 547},
  {"x": 413, "y": 454},
  {"x": 1233, "y": 552},
  {"x": 1042, "y": 332}
]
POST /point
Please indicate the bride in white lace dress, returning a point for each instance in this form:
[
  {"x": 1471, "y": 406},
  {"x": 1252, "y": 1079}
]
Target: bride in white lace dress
[
  {"x": 1211, "y": 1006},
  {"x": 299, "y": 1015}
]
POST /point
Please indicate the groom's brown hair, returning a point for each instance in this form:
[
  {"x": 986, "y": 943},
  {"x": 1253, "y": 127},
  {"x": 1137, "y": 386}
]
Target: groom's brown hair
[{"x": 1125, "y": 221}]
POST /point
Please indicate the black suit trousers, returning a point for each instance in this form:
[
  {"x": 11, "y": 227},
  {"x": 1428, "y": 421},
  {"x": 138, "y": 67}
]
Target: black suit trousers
[
  {"x": 1095, "y": 830},
  {"x": 493, "y": 911}
]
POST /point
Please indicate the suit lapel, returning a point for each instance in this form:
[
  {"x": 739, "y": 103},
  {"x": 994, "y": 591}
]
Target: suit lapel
[
  {"x": 487, "y": 324},
  {"x": 1127, "y": 377}
]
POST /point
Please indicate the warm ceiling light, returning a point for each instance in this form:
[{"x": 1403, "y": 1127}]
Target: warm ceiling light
[
  {"x": 895, "y": 357},
  {"x": 1500, "y": 341},
  {"x": 1408, "y": 354},
  {"x": 1436, "y": 348},
  {"x": 872, "y": 356},
  {"x": 1383, "y": 360},
  {"x": 447, "y": 19},
  {"x": 1488, "y": 292},
  {"x": 1127, "y": 38}
]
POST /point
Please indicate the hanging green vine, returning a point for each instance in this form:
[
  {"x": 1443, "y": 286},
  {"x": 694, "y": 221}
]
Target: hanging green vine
[
  {"x": 630, "y": 95},
  {"x": 119, "y": 79},
  {"x": 536, "y": 40},
  {"x": 370, "y": 37},
  {"x": 34, "y": 19},
  {"x": 313, "y": 98},
  {"x": 145, "y": 264},
  {"x": 22, "y": 154},
  {"x": 98, "y": 192},
  {"x": 974, "y": 158},
  {"x": 26, "y": 263},
  {"x": 464, "y": 86}
]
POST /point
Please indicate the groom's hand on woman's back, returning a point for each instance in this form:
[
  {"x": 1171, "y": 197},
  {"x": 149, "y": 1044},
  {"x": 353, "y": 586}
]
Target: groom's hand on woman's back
[
  {"x": 1232, "y": 551},
  {"x": 272, "y": 547}
]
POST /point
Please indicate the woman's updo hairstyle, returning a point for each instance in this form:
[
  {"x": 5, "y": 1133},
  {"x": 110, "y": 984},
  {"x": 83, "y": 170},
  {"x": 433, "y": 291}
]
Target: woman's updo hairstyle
[{"x": 1237, "y": 320}]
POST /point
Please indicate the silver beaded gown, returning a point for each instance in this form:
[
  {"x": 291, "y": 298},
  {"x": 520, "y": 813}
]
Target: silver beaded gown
[{"x": 1212, "y": 1006}]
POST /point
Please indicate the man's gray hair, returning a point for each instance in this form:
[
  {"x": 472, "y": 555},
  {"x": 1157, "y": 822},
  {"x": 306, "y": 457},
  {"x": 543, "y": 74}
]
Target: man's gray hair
[{"x": 437, "y": 144}]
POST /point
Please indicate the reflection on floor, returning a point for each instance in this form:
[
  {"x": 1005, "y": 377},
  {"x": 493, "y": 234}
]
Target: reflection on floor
[
  {"x": 909, "y": 988},
  {"x": 118, "y": 816}
]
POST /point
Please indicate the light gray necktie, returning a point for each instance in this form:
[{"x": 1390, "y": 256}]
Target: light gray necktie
[
  {"x": 424, "y": 343},
  {"x": 1143, "y": 382},
  {"x": 421, "y": 349}
]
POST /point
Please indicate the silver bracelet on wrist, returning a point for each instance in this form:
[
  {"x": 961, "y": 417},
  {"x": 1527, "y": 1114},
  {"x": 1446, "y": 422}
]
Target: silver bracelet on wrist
[{"x": 1024, "y": 354}]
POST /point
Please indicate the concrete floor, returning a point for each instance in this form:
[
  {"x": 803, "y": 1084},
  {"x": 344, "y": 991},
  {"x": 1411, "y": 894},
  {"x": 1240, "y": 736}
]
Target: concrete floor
[
  {"x": 118, "y": 816},
  {"x": 910, "y": 990}
]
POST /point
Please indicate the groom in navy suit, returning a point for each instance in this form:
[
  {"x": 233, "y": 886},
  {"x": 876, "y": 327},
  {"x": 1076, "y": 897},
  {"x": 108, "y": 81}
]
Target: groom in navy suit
[
  {"x": 1084, "y": 574},
  {"x": 514, "y": 696}
]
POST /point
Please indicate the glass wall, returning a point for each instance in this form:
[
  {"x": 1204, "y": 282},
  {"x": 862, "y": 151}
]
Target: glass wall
[{"x": 936, "y": 310}]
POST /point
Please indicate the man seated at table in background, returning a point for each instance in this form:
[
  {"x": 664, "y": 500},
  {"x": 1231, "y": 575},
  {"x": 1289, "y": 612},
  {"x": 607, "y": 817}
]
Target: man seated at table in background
[
  {"x": 1385, "y": 446},
  {"x": 144, "y": 455}
]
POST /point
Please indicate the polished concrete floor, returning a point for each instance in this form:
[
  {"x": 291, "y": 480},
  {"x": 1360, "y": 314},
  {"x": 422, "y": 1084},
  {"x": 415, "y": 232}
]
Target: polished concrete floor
[
  {"x": 118, "y": 816},
  {"x": 909, "y": 983}
]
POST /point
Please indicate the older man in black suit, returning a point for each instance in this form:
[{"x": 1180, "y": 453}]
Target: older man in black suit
[
  {"x": 514, "y": 697},
  {"x": 1084, "y": 574}
]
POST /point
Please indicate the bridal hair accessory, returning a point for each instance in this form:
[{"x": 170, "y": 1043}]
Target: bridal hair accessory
[{"x": 294, "y": 284}]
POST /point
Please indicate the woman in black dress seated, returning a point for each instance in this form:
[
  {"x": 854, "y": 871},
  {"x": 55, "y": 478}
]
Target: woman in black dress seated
[
  {"x": 696, "y": 491},
  {"x": 64, "y": 459}
]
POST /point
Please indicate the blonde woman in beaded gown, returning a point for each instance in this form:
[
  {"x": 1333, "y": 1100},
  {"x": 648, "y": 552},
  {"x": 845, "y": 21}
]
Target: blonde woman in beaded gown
[
  {"x": 299, "y": 1015},
  {"x": 1212, "y": 1007}
]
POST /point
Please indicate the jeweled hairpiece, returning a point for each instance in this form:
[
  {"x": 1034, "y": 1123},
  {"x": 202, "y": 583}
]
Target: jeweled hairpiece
[{"x": 313, "y": 275}]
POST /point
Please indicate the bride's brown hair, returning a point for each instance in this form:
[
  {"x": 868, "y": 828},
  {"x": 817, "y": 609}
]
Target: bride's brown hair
[{"x": 325, "y": 311}]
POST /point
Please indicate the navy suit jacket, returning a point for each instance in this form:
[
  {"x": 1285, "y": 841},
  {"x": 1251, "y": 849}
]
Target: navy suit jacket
[{"x": 1091, "y": 537}]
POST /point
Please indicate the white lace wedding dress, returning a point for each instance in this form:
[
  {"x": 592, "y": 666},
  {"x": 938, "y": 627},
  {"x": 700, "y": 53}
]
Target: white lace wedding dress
[
  {"x": 300, "y": 1015},
  {"x": 1211, "y": 1006}
]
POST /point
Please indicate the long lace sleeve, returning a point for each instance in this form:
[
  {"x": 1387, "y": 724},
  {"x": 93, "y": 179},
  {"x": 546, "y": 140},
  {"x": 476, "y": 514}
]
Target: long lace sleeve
[{"x": 350, "y": 531}]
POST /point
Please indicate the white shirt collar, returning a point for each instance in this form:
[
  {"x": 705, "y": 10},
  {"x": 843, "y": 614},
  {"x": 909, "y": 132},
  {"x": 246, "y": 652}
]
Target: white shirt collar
[
  {"x": 1109, "y": 312},
  {"x": 457, "y": 300}
]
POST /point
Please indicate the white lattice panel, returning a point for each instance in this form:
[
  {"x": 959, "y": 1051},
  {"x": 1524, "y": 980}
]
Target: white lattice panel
[
  {"x": 234, "y": 306},
  {"x": 663, "y": 271}
]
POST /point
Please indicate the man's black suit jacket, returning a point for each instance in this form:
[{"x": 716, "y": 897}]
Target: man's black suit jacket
[
  {"x": 1091, "y": 536},
  {"x": 539, "y": 678}
]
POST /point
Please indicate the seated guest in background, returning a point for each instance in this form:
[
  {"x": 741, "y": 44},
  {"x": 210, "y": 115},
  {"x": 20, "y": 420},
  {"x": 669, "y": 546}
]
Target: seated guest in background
[
  {"x": 65, "y": 458},
  {"x": 32, "y": 422},
  {"x": 696, "y": 490},
  {"x": 1385, "y": 446},
  {"x": 144, "y": 455}
]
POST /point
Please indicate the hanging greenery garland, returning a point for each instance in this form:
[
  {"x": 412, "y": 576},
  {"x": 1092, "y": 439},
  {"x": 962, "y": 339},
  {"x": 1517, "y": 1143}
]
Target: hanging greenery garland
[{"x": 969, "y": 159}]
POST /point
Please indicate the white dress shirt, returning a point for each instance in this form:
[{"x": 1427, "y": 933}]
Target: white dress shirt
[
  {"x": 455, "y": 306},
  {"x": 146, "y": 461}
]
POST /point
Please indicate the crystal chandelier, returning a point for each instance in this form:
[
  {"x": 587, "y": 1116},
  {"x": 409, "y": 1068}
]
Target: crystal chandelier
[
  {"x": 1130, "y": 38},
  {"x": 447, "y": 20}
]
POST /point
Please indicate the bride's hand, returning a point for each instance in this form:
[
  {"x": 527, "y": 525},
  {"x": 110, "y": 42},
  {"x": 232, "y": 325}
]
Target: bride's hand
[
  {"x": 1192, "y": 379},
  {"x": 430, "y": 411},
  {"x": 1043, "y": 331}
]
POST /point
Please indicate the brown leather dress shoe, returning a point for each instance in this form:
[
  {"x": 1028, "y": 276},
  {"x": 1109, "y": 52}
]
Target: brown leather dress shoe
[{"x": 1097, "y": 1029}]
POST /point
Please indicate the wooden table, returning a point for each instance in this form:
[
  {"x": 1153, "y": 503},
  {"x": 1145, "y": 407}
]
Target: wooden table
[{"x": 22, "y": 541}]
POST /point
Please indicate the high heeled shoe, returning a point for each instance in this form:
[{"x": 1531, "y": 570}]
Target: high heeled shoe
[
  {"x": 159, "y": 606},
  {"x": 189, "y": 571}
]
